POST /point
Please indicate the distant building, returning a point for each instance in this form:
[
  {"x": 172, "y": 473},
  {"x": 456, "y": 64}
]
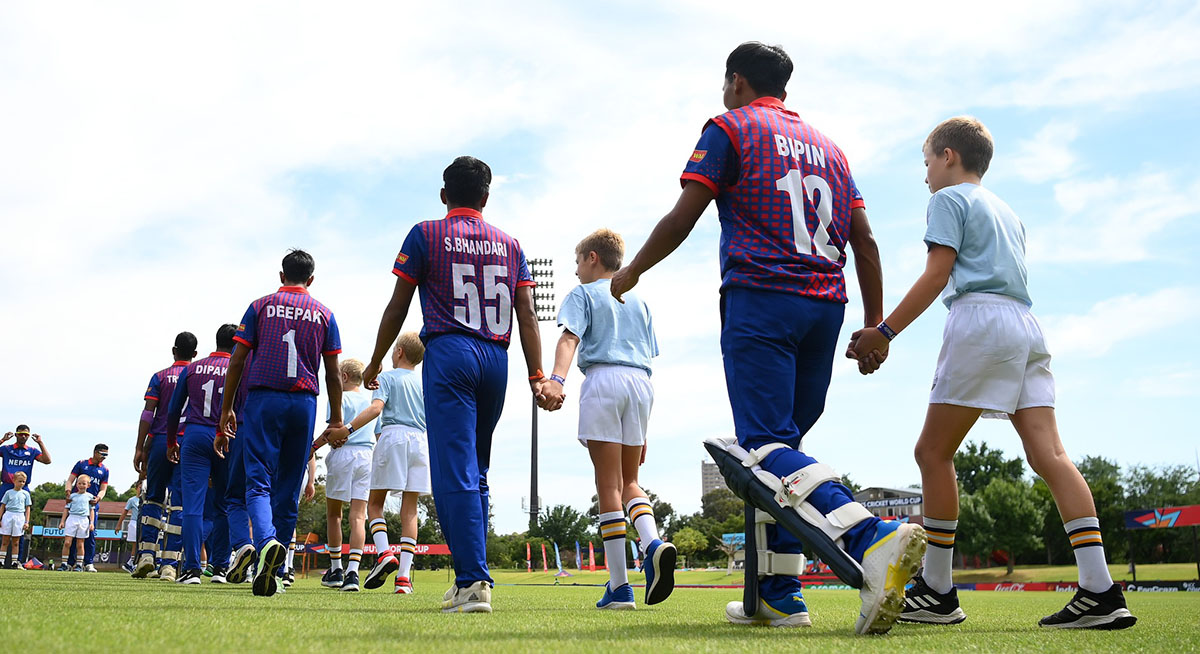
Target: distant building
[
  {"x": 710, "y": 478},
  {"x": 107, "y": 519},
  {"x": 892, "y": 502}
]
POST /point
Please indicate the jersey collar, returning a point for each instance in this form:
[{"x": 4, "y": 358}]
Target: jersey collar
[
  {"x": 293, "y": 289},
  {"x": 220, "y": 354},
  {"x": 463, "y": 211},
  {"x": 770, "y": 102},
  {"x": 180, "y": 363}
]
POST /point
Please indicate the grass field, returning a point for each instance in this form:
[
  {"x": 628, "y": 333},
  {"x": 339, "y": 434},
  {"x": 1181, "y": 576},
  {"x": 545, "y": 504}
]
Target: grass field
[{"x": 111, "y": 612}]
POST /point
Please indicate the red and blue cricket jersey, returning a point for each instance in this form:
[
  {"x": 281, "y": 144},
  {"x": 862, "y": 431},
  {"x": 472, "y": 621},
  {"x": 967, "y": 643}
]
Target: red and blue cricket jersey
[
  {"x": 97, "y": 472},
  {"x": 288, "y": 331},
  {"x": 784, "y": 195},
  {"x": 162, "y": 386},
  {"x": 468, "y": 272},
  {"x": 239, "y": 398},
  {"x": 201, "y": 386},
  {"x": 15, "y": 459}
]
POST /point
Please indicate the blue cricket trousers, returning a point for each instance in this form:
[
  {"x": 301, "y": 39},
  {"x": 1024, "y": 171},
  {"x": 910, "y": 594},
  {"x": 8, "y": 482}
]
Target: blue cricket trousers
[{"x": 278, "y": 432}]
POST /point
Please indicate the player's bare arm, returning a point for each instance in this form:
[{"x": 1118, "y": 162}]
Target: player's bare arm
[
  {"x": 389, "y": 329},
  {"x": 564, "y": 354},
  {"x": 531, "y": 346},
  {"x": 44, "y": 457},
  {"x": 333, "y": 386},
  {"x": 938, "y": 265},
  {"x": 227, "y": 428},
  {"x": 668, "y": 234},
  {"x": 139, "y": 450},
  {"x": 867, "y": 266}
]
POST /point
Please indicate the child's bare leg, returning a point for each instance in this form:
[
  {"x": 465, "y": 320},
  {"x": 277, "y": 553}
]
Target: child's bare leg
[
  {"x": 79, "y": 551},
  {"x": 607, "y": 462},
  {"x": 333, "y": 532},
  {"x": 641, "y": 513},
  {"x": 358, "y": 524},
  {"x": 66, "y": 550},
  {"x": 1044, "y": 450},
  {"x": 946, "y": 425}
]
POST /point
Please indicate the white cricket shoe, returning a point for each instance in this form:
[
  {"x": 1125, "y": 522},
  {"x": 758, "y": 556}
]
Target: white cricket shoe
[{"x": 889, "y": 562}]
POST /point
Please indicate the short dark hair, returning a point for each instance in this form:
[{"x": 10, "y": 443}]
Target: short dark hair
[
  {"x": 225, "y": 336},
  {"x": 466, "y": 181},
  {"x": 100, "y": 446},
  {"x": 186, "y": 343},
  {"x": 298, "y": 266},
  {"x": 966, "y": 136},
  {"x": 767, "y": 68},
  {"x": 20, "y": 427}
]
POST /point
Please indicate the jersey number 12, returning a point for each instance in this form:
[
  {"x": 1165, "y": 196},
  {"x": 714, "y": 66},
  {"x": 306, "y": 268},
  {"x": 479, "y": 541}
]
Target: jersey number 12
[{"x": 816, "y": 190}]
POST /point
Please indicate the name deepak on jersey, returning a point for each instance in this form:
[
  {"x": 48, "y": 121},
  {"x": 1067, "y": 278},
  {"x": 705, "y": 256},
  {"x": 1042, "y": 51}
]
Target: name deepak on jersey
[{"x": 293, "y": 313}]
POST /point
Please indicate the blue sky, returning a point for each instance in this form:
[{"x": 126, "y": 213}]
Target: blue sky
[{"x": 158, "y": 161}]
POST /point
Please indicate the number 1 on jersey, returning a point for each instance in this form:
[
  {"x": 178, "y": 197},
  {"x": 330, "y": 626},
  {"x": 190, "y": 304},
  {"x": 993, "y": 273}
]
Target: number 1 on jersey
[
  {"x": 816, "y": 190},
  {"x": 208, "y": 391},
  {"x": 293, "y": 355}
]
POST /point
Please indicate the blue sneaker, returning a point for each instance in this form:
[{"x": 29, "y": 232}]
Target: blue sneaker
[
  {"x": 620, "y": 599},
  {"x": 659, "y": 567},
  {"x": 889, "y": 562},
  {"x": 787, "y": 611}
]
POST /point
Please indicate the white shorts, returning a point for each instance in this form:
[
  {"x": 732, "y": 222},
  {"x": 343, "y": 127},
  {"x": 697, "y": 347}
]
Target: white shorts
[
  {"x": 12, "y": 524},
  {"x": 614, "y": 405},
  {"x": 348, "y": 473},
  {"x": 77, "y": 527},
  {"x": 401, "y": 461},
  {"x": 131, "y": 534},
  {"x": 993, "y": 357}
]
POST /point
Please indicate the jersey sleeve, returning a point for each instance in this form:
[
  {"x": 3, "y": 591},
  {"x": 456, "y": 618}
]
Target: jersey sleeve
[
  {"x": 714, "y": 162},
  {"x": 79, "y": 469},
  {"x": 856, "y": 198},
  {"x": 153, "y": 388},
  {"x": 381, "y": 393},
  {"x": 524, "y": 278},
  {"x": 247, "y": 333},
  {"x": 650, "y": 329},
  {"x": 575, "y": 314},
  {"x": 410, "y": 262},
  {"x": 178, "y": 400},
  {"x": 333, "y": 337},
  {"x": 945, "y": 217}
]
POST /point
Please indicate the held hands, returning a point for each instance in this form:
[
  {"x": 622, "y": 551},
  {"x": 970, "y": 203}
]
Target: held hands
[
  {"x": 870, "y": 347},
  {"x": 335, "y": 436},
  {"x": 173, "y": 453},
  {"x": 371, "y": 375},
  {"x": 623, "y": 281},
  {"x": 549, "y": 394}
]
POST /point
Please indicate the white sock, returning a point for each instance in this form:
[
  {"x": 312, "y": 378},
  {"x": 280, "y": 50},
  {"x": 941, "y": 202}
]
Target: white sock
[
  {"x": 335, "y": 562},
  {"x": 203, "y": 564},
  {"x": 408, "y": 548},
  {"x": 612, "y": 530},
  {"x": 379, "y": 536},
  {"x": 355, "y": 558},
  {"x": 1084, "y": 534},
  {"x": 939, "y": 556},
  {"x": 641, "y": 514},
  {"x": 291, "y": 555}
]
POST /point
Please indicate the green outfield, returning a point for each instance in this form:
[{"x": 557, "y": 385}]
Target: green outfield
[{"x": 109, "y": 611}]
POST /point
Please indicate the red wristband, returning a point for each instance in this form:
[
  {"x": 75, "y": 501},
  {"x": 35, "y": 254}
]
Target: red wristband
[{"x": 538, "y": 377}]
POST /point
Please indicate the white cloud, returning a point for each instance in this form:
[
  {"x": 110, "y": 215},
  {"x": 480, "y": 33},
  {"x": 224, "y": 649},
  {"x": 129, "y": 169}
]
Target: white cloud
[
  {"x": 1048, "y": 155},
  {"x": 1114, "y": 321}
]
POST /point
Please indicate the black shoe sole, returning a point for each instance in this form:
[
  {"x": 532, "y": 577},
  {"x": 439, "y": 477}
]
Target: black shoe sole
[
  {"x": 375, "y": 580},
  {"x": 664, "y": 575},
  {"x": 237, "y": 572},
  {"x": 273, "y": 558}
]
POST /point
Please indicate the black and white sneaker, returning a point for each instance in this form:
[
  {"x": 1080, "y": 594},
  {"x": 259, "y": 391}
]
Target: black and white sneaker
[
  {"x": 190, "y": 577},
  {"x": 242, "y": 559},
  {"x": 288, "y": 578},
  {"x": 350, "y": 584},
  {"x": 926, "y": 605},
  {"x": 219, "y": 575},
  {"x": 1088, "y": 610},
  {"x": 332, "y": 578}
]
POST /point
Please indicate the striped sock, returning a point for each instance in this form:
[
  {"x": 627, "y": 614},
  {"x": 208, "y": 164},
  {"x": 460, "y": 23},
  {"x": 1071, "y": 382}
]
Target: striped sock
[
  {"x": 408, "y": 548},
  {"x": 1084, "y": 534},
  {"x": 335, "y": 559},
  {"x": 291, "y": 555},
  {"x": 641, "y": 514},
  {"x": 939, "y": 556},
  {"x": 379, "y": 536},
  {"x": 612, "y": 530},
  {"x": 355, "y": 557}
]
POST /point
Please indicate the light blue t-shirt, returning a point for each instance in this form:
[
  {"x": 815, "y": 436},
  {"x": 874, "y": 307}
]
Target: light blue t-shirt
[
  {"x": 15, "y": 500},
  {"x": 403, "y": 398},
  {"x": 80, "y": 503},
  {"x": 353, "y": 403},
  {"x": 133, "y": 505},
  {"x": 989, "y": 240},
  {"x": 608, "y": 331}
]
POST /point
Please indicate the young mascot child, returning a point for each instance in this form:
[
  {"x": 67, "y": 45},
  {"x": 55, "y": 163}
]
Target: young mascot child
[
  {"x": 77, "y": 522},
  {"x": 615, "y": 342},
  {"x": 348, "y": 479},
  {"x": 994, "y": 361},
  {"x": 127, "y": 523},
  {"x": 401, "y": 460},
  {"x": 14, "y": 518}
]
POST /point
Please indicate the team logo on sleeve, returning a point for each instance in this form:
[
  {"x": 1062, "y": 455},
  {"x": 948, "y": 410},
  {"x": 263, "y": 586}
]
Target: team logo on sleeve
[
  {"x": 242, "y": 327},
  {"x": 401, "y": 259},
  {"x": 699, "y": 155}
]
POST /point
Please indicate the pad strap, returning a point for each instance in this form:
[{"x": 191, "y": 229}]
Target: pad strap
[
  {"x": 800, "y": 484},
  {"x": 773, "y": 563},
  {"x": 756, "y": 455},
  {"x": 170, "y": 555},
  {"x": 174, "y": 530}
]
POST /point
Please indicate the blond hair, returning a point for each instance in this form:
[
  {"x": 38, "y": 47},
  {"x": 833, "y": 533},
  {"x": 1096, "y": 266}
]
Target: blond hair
[
  {"x": 411, "y": 346},
  {"x": 353, "y": 370},
  {"x": 966, "y": 136},
  {"x": 85, "y": 478},
  {"x": 607, "y": 244},
  {"x": 20, "y": 475}
]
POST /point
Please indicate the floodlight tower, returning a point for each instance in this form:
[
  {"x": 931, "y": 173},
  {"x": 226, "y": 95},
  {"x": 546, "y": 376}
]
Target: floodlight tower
[{"x": 545, "y": 305}]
